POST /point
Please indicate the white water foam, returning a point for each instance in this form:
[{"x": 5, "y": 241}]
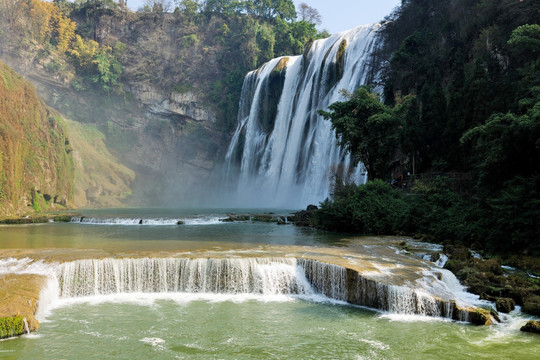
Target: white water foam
[{"x": 125, "y": 221}]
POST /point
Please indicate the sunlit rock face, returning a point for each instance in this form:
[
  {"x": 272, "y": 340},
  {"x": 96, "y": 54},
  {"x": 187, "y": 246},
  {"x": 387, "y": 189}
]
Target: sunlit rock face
[{"x": 283, "y": 152}]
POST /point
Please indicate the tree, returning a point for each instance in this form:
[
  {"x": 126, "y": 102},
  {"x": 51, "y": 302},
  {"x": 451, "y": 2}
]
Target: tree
[
  {"x": 188, "y": 7},
  {"x": 368, "y": 130},
  {"x": 272, "y": 8},
  {"x": 309, "y": 14},
  {"x": 159, "y": 6}
]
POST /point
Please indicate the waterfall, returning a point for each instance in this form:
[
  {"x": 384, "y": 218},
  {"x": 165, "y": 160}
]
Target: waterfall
[
  {"x": 436, "y": 293},
  {"x": 266, "y": 276},
  {"x": 263, "y": 276},
  {"x": 283, "y": 154}
]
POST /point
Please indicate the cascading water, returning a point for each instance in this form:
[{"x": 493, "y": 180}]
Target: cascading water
[
  {"x": 266, "y": 276},
  {"x": 283, "y": 154},
  {"x": 433, "y": 294}
]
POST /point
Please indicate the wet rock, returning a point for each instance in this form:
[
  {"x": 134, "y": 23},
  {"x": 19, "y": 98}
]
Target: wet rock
[
  {"x": 305, "y": 217},
  {"x": 480, "y": 317},
  {"x": 531, "y": 326},
  {"x": 531, "y": 305},
  {"x": 505, "y": 305}
]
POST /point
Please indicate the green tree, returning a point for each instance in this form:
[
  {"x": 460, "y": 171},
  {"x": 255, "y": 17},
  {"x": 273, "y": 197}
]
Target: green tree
[{"x": 367, "y": 129}]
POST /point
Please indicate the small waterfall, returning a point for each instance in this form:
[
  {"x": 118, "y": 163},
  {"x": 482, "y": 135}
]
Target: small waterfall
[
  {"x": 158, "y": 275},
  {"x": 128, "y": 221},
  {"x": 442, "y": 260},
  {"x": 26, "y": 328},
  {"x": 283, "y": 153},
  {"x": 436, "y": 293}
]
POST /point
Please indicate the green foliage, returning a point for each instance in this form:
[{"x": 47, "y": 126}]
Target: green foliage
[
  {"x": 371, "y": 209},
  {"x": 367, "y": 128},
  {"x": 11, "y": 326},
  {"x": 36, "y": 197},
  {"x": 190, "y": 40},
  {"x": 462, "y": 93},
  {"x": 461, "y": 59}
]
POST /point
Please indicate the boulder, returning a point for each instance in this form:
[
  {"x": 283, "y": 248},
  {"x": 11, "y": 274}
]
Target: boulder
[
  {"x": 505, "y": 305},
  {"x": 305, "y": 217},
  {"x": 531, "y": 326}
]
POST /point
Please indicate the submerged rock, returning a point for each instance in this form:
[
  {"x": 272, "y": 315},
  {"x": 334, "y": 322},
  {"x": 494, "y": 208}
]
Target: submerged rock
[{"x": 531, "y": 326}]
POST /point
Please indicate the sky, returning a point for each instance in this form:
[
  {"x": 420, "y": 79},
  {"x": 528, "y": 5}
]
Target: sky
[{"x": 337, "y": 15}]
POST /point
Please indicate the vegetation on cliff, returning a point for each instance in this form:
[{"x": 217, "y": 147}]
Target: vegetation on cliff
[
  {"x": 36, "y": 167},
  {"x": 162, "y": 84},
  {"x": 206, "y": 47}
]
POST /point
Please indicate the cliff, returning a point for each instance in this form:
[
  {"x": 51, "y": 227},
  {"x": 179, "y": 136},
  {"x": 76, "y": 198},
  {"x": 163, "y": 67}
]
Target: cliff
[
  {"x": 49, "y": 163},
  {"x": 36, "y": 164},
  {"x": 163, "y": 88}
]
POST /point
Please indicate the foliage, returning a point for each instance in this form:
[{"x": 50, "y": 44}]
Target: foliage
[
  {"x": 371, "y": 209},
  {"x": 11, "y": 326},
  {"x": 463, "y": 78},
  {"x": 367, "y": 129},
  {"x": 34, "y": 153}
]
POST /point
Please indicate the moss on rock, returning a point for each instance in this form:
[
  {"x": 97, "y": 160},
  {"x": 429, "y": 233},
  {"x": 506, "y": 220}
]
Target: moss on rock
[
  {"x": 11, "y": 326},
  {"x": 531, "y": 326},
  {"x": 505, "y": 305}
]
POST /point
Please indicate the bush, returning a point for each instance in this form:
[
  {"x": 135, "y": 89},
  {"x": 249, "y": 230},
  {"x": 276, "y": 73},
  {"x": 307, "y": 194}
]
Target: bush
[{"x": 371, "y": 209}]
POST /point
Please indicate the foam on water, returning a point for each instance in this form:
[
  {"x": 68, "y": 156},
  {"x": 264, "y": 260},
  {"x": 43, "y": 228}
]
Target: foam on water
[{"x": 130, "y": 221}]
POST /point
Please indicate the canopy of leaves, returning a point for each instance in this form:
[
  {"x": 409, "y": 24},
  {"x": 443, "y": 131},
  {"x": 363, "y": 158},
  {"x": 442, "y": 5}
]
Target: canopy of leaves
[{"x": 368, "y": 130}]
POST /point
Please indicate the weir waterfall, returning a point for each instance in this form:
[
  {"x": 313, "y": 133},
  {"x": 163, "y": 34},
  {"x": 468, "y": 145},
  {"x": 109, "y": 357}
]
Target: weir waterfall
[
  {"x": 283, "y": 153},
  {"x": 432, "y": 294}
]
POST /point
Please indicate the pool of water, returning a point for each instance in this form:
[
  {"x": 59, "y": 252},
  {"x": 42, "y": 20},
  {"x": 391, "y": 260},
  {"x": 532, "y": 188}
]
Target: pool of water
[{"x": 195, "y": 327}]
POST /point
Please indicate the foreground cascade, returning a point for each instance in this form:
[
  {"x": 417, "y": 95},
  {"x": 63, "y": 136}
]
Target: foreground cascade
[
  {"x": 264, "y": 276},
  {"x": 283, "y": 153}
]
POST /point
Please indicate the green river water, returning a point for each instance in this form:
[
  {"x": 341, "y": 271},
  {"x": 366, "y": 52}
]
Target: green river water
[{"x": 242, "y": 326}]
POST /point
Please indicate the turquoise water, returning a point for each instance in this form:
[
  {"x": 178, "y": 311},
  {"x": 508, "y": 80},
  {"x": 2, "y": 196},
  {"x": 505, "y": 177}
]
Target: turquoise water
[
  {"x": 296, "y": 329},
  {"x": 216, "y": 326}
]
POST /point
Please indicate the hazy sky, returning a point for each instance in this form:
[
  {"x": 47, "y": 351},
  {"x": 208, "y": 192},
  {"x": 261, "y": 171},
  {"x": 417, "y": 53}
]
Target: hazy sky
[{"x": 338, "y": 15}]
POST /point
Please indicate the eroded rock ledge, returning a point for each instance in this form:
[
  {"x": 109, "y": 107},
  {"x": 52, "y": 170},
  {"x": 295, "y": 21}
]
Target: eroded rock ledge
[{"x": 19, "y": 299}]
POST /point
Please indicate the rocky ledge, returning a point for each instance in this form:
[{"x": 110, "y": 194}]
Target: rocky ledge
[{"x": 19, "y": 298}]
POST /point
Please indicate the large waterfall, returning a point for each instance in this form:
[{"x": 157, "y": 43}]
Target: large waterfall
[{"x": 283, "y": 154}]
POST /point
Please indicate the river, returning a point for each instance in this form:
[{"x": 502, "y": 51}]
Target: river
[{"x": 231, "y": 322}]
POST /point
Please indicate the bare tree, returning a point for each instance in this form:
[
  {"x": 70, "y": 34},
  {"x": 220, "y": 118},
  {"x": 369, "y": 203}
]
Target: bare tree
[
  {"x": 309, "y": 14},
  {"x": 11, "y": 12},
  {"x": 159, "y": 6}
]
